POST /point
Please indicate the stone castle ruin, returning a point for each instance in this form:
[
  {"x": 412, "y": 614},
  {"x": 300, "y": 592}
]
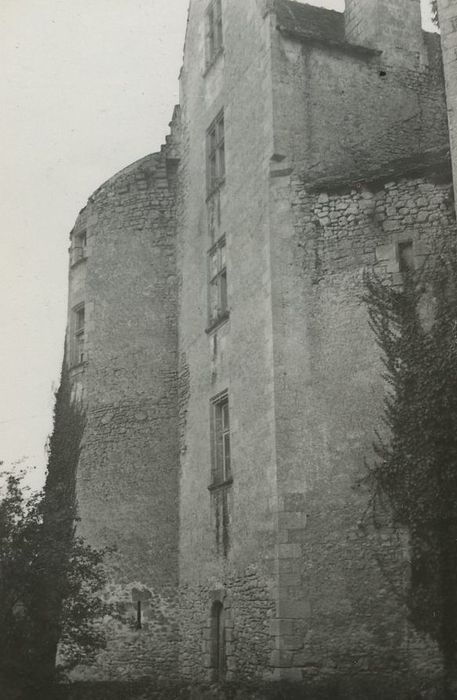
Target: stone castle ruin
[{"x": 217, "y": 340}]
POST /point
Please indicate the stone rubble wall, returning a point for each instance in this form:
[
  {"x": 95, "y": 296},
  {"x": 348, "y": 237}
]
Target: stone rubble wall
[
  {"x": 127, "y": 481},
  {"x": 340, "y": 580},
  {"x": 362, "y": 226},
  {"x": 249, "y": 610}
]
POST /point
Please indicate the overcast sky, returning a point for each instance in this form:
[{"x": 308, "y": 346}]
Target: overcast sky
[{"x": 86, "y": 87}]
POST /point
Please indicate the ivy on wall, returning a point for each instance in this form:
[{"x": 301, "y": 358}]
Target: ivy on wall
[
  {"x": 415, "y": 464},
  {"x": 51, "y": 581}
]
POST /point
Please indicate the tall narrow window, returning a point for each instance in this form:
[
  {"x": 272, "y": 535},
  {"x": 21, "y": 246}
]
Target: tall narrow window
[
  {"x": 214, "y": 36},
  {"x": 79, "y": 251},
  {"x": 218, "y": 306},
  {"x": 221, "y": 440},
  {"x": 78, "y": 334},
  {"x": 215, "y": 145},
  {"x": 218, "y": 662},
  {"x": 406, "y": 256},
  {"x": 139, "y": 620}
]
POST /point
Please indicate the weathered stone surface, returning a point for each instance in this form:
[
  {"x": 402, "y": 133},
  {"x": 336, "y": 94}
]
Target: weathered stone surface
[
  {"x": 326, "y": 174},
  {"x": 127, "y": 483}
]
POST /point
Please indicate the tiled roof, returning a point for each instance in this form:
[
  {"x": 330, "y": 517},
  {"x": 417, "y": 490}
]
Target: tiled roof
[{"x": 309, "y": 21}]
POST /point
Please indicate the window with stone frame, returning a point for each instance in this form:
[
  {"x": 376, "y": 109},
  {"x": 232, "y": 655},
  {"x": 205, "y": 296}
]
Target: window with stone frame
[
  {"x": 79, "y": 248},
  {"x": 215, "y": 153},
  {"x": 78, "y": 339},
  {"x": 221, "y": 467},
  {"x": 218, "y": 301},
  {"x": 214, "y": 35}
]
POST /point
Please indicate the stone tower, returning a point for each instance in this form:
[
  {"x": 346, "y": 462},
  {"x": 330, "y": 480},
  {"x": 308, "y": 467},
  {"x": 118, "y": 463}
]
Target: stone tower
[
  {"x": 232, "y": 382},
  {"x": 123, "y": 358}
]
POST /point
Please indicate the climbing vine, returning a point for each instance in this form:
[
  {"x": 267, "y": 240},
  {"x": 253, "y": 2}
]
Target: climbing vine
[
  {"x": 51, "y": 580},
  {"x": 415, "y": 466}
]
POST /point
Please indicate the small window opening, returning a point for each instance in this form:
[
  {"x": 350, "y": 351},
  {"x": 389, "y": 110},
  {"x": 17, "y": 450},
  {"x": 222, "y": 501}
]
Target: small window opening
[
  {"x": 214, "y": 36},
  {"x": 138, "y": 615},
  {"x": 218, "y": 662},
  {"x": 406, "y": 256},
  {"x": 222, "y": 518},
  {"x": 79, "y": 247},
  {"x": 79, "y": 323},
  {"x": 215, "y": 153}
]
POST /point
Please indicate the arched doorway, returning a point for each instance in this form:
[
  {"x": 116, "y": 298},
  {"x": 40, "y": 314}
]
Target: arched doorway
[{"x": 218, "y": 640}]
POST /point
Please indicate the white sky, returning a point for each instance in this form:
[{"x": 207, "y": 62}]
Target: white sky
[{"x": 86, "y": 87}]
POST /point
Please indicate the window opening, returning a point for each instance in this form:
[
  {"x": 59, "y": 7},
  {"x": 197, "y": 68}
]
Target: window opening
[
  {"x": 218, "y": 662},
  {"x": 214, "y": 36},
  {"x": 222, "y": 520},
  {"x": 80, "y": 246},
  {"x": 138, "y": 615},
  {"x": 218, "y": 303},
  {"x": 79, "y": 321},
  {"x": 406, "y": 256},
  {"x": 221, "y": 449},
  {"x": 216, "y": 152}
]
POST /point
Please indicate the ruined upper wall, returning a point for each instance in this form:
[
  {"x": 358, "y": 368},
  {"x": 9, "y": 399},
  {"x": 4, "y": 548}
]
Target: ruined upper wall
[
  {"x": 342, "y": 107},
  {"x": 392, "y": 26}
]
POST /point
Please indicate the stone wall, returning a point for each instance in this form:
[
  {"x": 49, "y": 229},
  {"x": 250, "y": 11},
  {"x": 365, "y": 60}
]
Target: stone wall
[
  {"x": 296, "y": 337},
  {"x": 361, "y": 227},
  {"x": 248, "y": 610},
  {"x": 334, "y": 158},
  {"x": 235, "y": 356},
  {"x": 346, "y": 122},
  {"x": 340, "y": 579},
  {"x": 340, "y": 110},
  {"x": 127, "y": 480},
  {"x": 389, "y": 25}
]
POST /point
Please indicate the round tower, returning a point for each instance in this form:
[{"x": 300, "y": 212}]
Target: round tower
[{"x": 122, "y": 354}]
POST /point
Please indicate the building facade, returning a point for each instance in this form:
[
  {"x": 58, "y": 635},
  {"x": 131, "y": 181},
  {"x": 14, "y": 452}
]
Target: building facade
[{"x": 217, "y": 340}]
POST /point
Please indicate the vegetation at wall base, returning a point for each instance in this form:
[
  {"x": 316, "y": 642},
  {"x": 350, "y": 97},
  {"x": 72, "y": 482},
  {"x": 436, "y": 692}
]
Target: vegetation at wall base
[
  {"x": 415, "y": 467},
  {"x": 50, "y": 579},
  {"x": 340, "y": 687}
]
